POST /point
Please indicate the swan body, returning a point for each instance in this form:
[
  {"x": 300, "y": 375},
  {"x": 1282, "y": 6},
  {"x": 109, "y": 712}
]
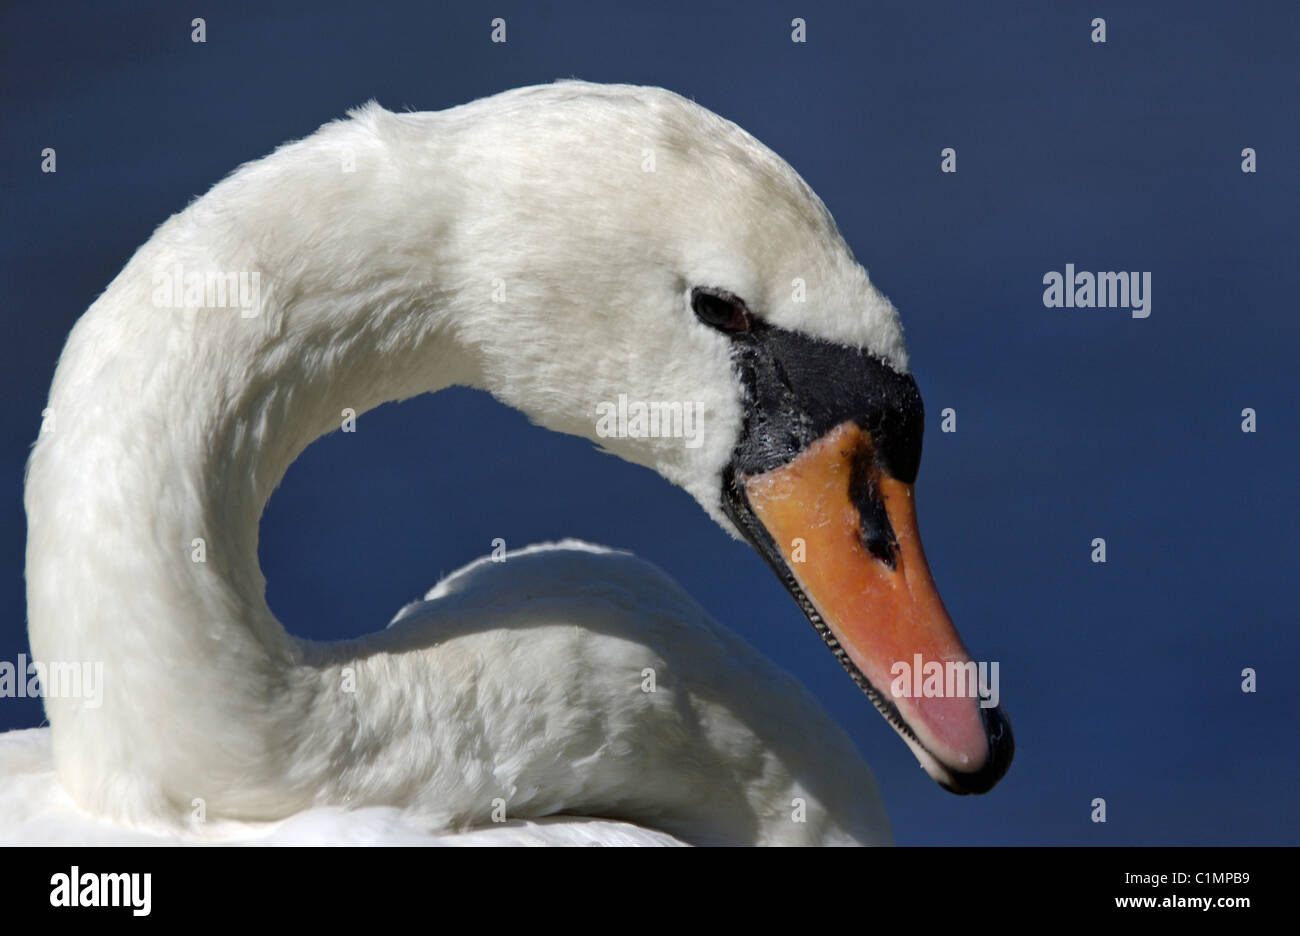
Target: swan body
[
  {"x": 520, "y": 245},
  {"x": 575, "y": 626}
]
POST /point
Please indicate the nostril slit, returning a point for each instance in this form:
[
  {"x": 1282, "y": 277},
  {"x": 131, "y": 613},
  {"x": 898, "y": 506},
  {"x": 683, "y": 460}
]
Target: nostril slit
[{"x": 876, "y": 532}]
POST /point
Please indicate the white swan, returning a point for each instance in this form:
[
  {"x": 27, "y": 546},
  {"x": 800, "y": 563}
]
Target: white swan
[{"x": 559, "y": 246}]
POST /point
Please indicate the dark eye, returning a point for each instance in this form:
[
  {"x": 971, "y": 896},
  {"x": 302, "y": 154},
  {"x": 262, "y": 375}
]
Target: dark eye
[{"x": 719, "y": 309}]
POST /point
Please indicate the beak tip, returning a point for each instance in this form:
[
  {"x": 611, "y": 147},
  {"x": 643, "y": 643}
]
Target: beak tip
[{"x": 1001, "y": 751}]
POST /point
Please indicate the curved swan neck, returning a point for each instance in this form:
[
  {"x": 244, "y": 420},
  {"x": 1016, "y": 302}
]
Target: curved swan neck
[{"x": 170, "y": 425}]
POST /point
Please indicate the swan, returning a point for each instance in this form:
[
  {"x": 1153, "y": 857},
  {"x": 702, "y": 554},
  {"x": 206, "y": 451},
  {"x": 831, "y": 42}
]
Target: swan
[{"x": 567, "y": 248}]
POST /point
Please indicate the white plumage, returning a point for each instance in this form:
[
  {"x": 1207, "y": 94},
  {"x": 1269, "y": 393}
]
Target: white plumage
[{"x": 541, "y": 245}]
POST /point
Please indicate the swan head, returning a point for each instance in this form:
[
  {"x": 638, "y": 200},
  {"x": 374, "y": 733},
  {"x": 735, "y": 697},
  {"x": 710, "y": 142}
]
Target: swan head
[{"x": 673, "y": 290}]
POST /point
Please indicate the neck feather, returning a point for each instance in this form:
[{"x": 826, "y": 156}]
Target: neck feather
[{"x": 169, "y": 425}]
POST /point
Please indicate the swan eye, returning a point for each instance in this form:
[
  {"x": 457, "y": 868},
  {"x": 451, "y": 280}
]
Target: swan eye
[{"x": 719, "y": 309}]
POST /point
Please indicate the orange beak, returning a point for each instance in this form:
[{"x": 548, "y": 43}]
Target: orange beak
[{"x": 846, "y": 534}]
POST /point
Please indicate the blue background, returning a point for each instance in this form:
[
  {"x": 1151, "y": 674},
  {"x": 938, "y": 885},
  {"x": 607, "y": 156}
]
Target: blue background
[{"x": 1122, "y": 680}]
